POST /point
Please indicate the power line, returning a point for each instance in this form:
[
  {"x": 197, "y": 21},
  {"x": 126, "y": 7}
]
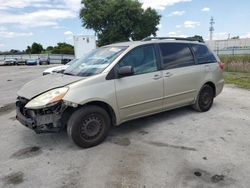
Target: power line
[{"x": 211, "y": 28}]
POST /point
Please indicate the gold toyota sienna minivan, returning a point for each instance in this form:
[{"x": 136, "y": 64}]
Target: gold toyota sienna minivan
[{"x": 120, "y": 82}]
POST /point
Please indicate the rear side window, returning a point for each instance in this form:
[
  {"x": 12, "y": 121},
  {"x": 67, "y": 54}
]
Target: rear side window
[
  {"x": 176, "y": 55},
  {"x": 203, "y": 54}
]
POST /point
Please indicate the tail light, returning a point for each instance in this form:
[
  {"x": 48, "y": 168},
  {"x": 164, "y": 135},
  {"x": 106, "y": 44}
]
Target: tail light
[{"x": 221, "y": 65}]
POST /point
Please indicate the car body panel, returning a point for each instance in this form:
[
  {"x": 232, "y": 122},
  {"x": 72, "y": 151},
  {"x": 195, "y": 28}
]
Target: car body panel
[
  {"x": 31, "y": 62},
  {"x": 181, "y": 85},
  {"x": 132, "y": 96},
  {"x": 139, "y": 94},
  {"x": 46, "y": 83},
  {"x": 10, "y": 61},
  {"x": 55, "y": 69}
]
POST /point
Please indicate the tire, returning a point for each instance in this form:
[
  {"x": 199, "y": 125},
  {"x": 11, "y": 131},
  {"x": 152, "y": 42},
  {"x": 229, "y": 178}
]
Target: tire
[
  {"x": 88, "y": 126},
  {"x": 204, "y": 100}
]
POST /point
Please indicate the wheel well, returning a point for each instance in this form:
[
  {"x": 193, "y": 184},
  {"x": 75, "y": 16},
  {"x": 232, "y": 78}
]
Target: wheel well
[
  {"x": 212, "y": 85},
  {"x": 70, "y": 110},
  {"x": 106, "y": 107}
]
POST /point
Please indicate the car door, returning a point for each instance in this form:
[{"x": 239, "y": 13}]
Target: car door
[
  {"x": 182, "y": 77},
  {"x": 141, "y": 93}
]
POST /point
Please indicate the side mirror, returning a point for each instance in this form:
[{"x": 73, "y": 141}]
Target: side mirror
[{"x": 125, "y": 71}]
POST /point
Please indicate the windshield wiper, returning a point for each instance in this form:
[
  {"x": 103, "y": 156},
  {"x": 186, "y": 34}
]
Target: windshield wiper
[{"x": 67, "y": 73}]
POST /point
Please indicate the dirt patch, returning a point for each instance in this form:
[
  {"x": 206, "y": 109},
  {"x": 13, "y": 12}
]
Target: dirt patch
[
  {"x": 160, "y": 144},
  {"x": 143, "y": 132},
  {"x": 202, "y": 178},
  {"x": 71, "y": 180},
  {"x": 217, "y": 178},
  {"x": 120, "y": 141},
  {"x": 7, "y": 108},
  {"x": 26, "y": 153},
  {"x": 13, "y": 178}
]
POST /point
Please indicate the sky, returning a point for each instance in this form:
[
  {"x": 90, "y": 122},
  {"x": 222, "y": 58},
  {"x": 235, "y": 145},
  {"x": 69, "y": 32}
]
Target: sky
[{"x": 48, "y": 22}]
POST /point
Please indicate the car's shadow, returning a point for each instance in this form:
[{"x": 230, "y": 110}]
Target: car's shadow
[
  {"x": 61, "y": 140},
  {"x": 149, "y": 122}
]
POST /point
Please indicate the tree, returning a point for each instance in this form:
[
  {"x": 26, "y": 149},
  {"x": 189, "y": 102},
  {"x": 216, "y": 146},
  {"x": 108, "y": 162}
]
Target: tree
[
  {"x": 28, "y": 50},
  {"x": 36, "y": 48},
  {"x": 119, "y": 20},
  {"x": 63, "y": 48},
  {"x": 235, "y": 37},
  {"x": 49, "y": 48},
  {"x": 198, "y": 37}
]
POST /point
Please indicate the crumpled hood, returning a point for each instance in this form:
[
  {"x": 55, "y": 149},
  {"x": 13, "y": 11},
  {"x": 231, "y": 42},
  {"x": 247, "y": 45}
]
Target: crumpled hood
[{"x": 46, "y": 83}]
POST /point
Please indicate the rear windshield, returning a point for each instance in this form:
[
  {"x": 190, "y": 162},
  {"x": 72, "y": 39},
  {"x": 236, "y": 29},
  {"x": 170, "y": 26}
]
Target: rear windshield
[
  {"x": 203, "y": 54},
  {"x": 95, "y": 62}
]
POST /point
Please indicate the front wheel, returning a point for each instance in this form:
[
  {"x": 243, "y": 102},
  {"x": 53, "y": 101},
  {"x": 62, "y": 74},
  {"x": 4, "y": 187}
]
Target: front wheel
[
  {"x": 88, "y": 126},
  {"x": 205, "y": 98}
]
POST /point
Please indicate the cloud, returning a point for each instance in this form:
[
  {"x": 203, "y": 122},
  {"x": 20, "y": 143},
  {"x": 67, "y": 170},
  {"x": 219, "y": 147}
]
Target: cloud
[
  {"x": 220, "y": 36},
  {"x": 172, "y": 33},
  {"x": 10, "y": 34},
  {"x": 177, "y": 13},
  {"x": 42, "y": 12},
  {"x": 176, "y": 34},
  {"x": 247, "y": 35},
  {"x": 160, "y": 4},
  {"x": 68, "y": 33},
  {"x": 18, "y": 4},
  {"x": 2, "y": 45},
  {"x": 205, "y": 9},
  {"x": 191, "y": 24},
  {"x": 159, "y": 26},
  {"x": 35, "y": 19},
  {"x": 178, "y": 26}
]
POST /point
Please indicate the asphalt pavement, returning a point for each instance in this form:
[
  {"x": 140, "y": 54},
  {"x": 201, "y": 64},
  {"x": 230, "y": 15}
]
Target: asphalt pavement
[{"x": 179, "y": 148}]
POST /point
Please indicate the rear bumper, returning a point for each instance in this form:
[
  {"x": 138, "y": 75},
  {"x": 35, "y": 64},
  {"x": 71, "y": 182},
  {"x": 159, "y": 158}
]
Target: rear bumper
[{"x": 219, "y": 87}]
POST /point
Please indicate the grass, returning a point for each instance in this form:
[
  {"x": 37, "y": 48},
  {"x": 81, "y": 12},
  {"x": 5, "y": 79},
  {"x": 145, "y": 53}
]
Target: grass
[
  {"x": 239, "y": 79},
  {"x": 236, "y": 63}
]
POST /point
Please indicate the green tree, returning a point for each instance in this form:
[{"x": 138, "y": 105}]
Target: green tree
[
  {"x": 235, "y": 37},
  {"x": 36, "y": 48},
  {"x": 49, "y": 48},
  {"x": 198, "y": 37},
  {"x": 118, "y": 20},
  {"x": 28, "y": 50},
  {"x": 63, "y": 48}
]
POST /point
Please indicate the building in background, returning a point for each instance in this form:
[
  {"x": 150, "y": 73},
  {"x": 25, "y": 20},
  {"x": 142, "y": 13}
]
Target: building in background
[
  {"x": 230, "y": 46},
  {"x": 83, "y": 44}
]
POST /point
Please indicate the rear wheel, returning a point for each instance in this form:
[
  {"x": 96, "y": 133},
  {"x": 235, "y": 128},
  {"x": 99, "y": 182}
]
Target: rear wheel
[
  {"x": 88, "y": 126},
  {"x": 204, "y": 100}
]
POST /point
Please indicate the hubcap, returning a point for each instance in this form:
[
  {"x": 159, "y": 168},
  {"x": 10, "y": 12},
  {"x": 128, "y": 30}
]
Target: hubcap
[
  {"x": 91, "y": 127},
  {"x": 206, "y": 97}
]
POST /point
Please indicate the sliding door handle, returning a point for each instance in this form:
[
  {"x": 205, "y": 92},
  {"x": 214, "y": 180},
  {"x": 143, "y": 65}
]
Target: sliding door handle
[
  {"x": 168, "y": 74},
  {"x": 157, "y": 77}
]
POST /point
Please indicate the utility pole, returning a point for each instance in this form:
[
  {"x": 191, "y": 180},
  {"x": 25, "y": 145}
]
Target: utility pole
[{"x": 211, "y": 28}]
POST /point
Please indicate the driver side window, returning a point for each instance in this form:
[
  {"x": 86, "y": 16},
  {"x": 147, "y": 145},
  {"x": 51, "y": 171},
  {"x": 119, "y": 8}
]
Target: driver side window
[{"x": 142, "y": 59}]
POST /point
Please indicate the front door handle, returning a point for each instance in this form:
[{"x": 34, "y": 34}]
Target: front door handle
[
  {"x": 168, "y": 74},
  {"x": 157, "y": 76}
]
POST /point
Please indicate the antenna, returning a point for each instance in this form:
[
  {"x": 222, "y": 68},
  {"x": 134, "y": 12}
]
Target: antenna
[{"x": 211, "y": 28}]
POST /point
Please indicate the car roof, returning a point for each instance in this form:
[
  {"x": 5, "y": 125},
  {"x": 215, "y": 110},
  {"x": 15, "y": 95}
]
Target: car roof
[{"x": 138, "y": 43}]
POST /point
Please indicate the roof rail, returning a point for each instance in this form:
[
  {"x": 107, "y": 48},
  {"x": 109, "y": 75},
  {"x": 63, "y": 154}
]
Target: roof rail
[{"x": 173, "y": 38}]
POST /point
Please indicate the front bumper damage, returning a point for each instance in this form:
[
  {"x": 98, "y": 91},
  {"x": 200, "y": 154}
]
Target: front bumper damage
[{"x": 46, "y": 120}]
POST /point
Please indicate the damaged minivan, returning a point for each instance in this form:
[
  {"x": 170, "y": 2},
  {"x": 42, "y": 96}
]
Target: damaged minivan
[{"x": 120, "y": 82}]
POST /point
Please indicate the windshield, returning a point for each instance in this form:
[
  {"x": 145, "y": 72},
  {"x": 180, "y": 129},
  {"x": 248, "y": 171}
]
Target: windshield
[
  {"x": 95, "y": 62},
  {"x": 71, "y": 62}
]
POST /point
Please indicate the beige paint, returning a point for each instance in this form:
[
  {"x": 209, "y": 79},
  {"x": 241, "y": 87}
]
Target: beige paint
[{"x": 140, "y": 95}]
